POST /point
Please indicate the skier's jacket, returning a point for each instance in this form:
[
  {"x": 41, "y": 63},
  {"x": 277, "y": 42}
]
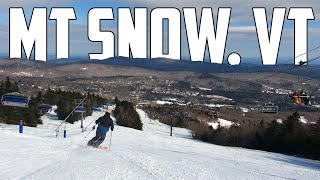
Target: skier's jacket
[{"x": 105, "y": 121}]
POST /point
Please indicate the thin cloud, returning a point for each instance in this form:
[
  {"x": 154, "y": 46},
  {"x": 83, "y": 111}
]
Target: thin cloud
[{"x": 242, "y": 29}]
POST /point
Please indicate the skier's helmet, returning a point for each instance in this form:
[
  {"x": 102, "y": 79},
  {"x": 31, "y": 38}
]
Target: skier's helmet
[{"x": 108, "y": 111}]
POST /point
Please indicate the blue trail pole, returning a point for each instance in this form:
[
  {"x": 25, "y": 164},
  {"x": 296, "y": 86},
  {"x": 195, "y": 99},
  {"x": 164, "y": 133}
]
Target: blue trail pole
[
  {"x": 82, "y": 122},
  {"x": 21, "y": 127},
  {"x": 65, "y": 132}
]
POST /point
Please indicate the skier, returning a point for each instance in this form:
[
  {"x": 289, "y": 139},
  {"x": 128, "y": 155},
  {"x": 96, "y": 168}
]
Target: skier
[{"x": 104, "y": 123}]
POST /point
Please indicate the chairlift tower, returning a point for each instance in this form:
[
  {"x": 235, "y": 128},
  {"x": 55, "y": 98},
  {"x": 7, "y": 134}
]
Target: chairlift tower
[{"x": 81, "y": 102}]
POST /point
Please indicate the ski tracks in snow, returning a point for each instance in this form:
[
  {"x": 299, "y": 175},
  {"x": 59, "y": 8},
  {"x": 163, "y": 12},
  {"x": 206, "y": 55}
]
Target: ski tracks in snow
[
  {"x": 153, "y": 166},
  {"x": 141, "y": 161}
]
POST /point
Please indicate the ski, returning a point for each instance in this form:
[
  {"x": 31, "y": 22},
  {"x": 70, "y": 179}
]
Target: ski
[{"x": 99, "y": 147}]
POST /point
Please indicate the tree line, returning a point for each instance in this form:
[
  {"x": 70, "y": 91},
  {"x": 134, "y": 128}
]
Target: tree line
[
  {"x": 289, "y": 137},
  {"x": 31, "y": 115},
  {"x": 65, "y": 101}
]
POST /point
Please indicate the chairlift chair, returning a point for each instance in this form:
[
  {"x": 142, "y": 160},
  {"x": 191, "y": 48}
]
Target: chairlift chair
[
  {"x": 301, "y": 97},
  {"x": 15, "y": 99},
  {"x": 80, "y": 109},
  {"x": 105, "y": 107},
  {"x": 44, "y": 108},
  {"x": 96, "y": 109},
  {"x": 212, "y": 114},
  {"x": 270, "y": 108}
]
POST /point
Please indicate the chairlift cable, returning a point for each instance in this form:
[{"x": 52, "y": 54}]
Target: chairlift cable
[
  {"x": 291, "y": 68},
  {"x": 57, "y": 129},
  {"x": 313, "y": 49}
]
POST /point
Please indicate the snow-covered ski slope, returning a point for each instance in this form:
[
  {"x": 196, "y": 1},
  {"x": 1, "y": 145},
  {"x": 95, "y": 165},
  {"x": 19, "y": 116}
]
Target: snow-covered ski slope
[{"x": 148, "y": 154}]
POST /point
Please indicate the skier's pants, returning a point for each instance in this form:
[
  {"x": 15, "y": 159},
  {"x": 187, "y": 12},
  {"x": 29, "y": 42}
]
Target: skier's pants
[{"x": 100, "y": 136}]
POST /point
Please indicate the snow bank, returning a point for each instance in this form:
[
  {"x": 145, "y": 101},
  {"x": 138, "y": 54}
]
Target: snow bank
[
  {"x": 279, "y": 121},
  {"x": 244, "y": 109},
  {"x": 223, "y": 123},
  {"x": 163, "y": 102},
  {"x": 204, "y": 89},
  {"x": 217, "y": 105},
  {"x": 153, "y": 125},
  {"x": 27, "y": 74},
  {"x": 216, "y": 97},
  {"x": 303, "y": 120}
]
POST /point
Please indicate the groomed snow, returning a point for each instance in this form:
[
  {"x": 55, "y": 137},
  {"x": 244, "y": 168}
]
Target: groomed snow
[{"x": 148, "y": 154}]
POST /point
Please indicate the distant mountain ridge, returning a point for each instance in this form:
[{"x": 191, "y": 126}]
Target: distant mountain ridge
[
  {"x": 168, "y": 65},
  {"x": 162, "y": 64}
]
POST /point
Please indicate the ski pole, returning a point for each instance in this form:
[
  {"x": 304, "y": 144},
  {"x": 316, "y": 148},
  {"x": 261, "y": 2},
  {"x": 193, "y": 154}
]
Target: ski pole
[
  {"x": 90, "y": 131},
  {"x": 110, "y": 141}
]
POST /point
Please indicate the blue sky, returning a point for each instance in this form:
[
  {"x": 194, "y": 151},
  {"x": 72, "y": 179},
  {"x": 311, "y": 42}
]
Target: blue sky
[{"x": 241, "y": 38}]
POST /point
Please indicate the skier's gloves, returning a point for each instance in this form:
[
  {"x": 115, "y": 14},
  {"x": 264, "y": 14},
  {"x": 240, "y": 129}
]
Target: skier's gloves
[{"x": 93, "y": 127}]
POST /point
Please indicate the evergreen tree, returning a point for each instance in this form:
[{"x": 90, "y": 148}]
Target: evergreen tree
[
  {"x": 8, "y": 85},
  {"x": 116, "y": 100},
  {"x": 292, "y": 122},
  {"x": 272, "y": 137},
  {"x": 127, "y": 116},
  {"x": 15, "y": 87},
  {"x": 39, "y": 97},
  {"x": 261, "y": 124}
]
